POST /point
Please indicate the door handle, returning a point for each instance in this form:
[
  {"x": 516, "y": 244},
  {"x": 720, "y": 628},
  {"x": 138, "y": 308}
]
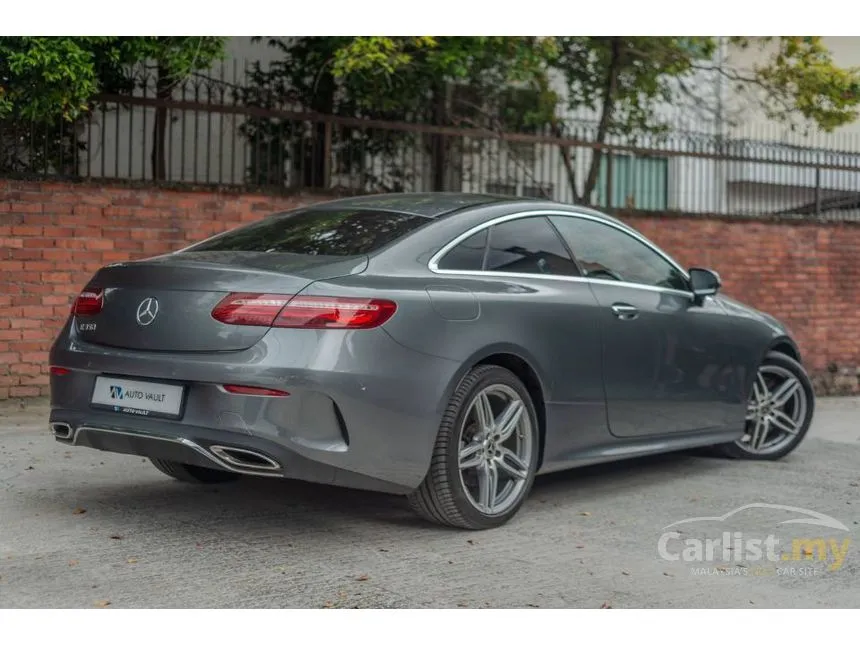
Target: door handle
[{"x": 625, "y": 312}]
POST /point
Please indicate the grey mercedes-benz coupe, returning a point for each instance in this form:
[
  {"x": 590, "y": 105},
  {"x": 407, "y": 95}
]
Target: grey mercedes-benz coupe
[{"x": 448, "y": 347}]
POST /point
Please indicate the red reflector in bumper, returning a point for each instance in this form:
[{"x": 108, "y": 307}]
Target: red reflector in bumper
[
  {"x": 58, "y": 371},
  {"x": 248, "y": 390}
]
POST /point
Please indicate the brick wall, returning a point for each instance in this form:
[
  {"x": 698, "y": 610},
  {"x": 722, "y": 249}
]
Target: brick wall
[
  {"x": 53, "y": 236},
  {"x": 807, "y": 274}
]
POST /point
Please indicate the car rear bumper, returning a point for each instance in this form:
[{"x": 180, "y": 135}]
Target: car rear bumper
[
  {"x": 362, "y": 411},
  {"x": 218, "y": 449}
]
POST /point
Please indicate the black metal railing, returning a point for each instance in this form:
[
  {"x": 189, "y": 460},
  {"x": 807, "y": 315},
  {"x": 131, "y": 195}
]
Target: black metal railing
[{"x": 207, "y": 135}]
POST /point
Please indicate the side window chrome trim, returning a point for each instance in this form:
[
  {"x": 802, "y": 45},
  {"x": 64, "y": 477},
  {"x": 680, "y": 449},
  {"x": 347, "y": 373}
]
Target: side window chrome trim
[
  {"x": 489, "y": 275},
  {"x": 433, "y": 265}
]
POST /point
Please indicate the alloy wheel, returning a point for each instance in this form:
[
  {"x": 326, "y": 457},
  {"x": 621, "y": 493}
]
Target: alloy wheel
[
  {"x": 775, "y": 412},
  {"x": 495, "y": 449}
]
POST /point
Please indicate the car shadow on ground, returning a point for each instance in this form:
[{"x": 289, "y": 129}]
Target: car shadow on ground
[{"x": 261, "y": 504}]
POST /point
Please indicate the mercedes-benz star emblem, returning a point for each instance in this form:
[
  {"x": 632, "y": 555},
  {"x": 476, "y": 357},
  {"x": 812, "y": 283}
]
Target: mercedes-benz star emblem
[{"x": 147, "y": 311}]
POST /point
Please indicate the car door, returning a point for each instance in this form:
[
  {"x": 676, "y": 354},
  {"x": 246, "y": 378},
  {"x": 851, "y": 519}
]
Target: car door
[
  {"x": 666, "y": 360},
  {"x": 533, "y": 297}
]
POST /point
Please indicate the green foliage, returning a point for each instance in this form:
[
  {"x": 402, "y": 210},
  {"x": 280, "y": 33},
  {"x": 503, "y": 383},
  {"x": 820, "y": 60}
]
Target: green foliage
[
  {"x": 801, "y": 78},
  {"x": 376, "y": 54},
  {"x": 629, "y": 75},
  {"x": 47, "y": 83},
  {"x": 621, "y": 80},
  {"x": 394, "y": 79},
  {"x": 302, "y": 79},
  {"x": 42, "y": 78}
]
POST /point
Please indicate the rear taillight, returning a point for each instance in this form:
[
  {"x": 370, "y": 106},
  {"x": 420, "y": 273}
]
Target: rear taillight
[
  {"x": 303, "y": 312},
  {"x": 254, "y": 309},
  {"x": 89, "y": 302},
  {"x": 310, "y": 312}
]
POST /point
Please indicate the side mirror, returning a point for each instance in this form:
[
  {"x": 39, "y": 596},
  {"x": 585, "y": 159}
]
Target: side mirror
[{"x": 704, "y": 282}]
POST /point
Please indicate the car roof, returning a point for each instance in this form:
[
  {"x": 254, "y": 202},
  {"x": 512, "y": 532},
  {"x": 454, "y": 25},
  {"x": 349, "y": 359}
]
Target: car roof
[
  {"x": 436, "y": 205},
  {"x": 422, "y": 204}
]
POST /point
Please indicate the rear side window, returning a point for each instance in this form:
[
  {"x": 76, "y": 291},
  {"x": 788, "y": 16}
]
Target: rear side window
[
  {"x": 318, "y": 232},
  {"x": 528, "y": 245},
  {"x": 468, "y": 255}
]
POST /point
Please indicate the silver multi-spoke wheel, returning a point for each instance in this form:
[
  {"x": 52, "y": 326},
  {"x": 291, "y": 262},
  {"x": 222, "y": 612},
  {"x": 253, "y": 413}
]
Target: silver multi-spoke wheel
[
  {"x": 486, "y": 453},
  {"x": 495, "y": 449},
  {"x": 776, "y": 410}
]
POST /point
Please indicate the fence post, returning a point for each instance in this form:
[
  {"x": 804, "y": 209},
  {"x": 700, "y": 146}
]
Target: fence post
[
  {"x": 326, "y": 178},
  {"x": 817, "y": 191},
  {"x": 609, "y": 164}
]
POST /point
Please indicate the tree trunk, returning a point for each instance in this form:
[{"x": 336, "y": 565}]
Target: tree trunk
[
  {"x": 313, "y": 155},
  {"x": 163, "y": 92},
  {"x": 437, "y": 141},
  {"x": 605, "y": 120},
  {"x": 568, "y": 161}
]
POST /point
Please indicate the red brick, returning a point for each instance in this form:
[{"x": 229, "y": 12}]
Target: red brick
[
  {"x": 29, "y": 346},
  {"x": 28, "y": 369},
  {"x": 26, "y": 207},
  {"x": 25, "y": 323},
  {"x": 57, "y": 255},
  {"x": 99, "y": 245},
  {"x": 56, "y": 276},
  {"x": 24, "y": 391},
  {"x": 88, "y": 211},
  {"x": 112, "y": 256},
  {"x": 58, "y": 231},
  {"x": 35, "y": 265},
  {"x": 27, "y": 231},
  {"x": 56, "y": 300},
  {"x": 26, "y": 254}
]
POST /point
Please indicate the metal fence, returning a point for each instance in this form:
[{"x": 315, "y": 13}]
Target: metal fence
[{"x": 208, "y": 137}]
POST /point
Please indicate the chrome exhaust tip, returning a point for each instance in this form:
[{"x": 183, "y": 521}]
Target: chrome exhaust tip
[
  {"x": 61, "y": 430},
  {"x": 244, "y": 459}
]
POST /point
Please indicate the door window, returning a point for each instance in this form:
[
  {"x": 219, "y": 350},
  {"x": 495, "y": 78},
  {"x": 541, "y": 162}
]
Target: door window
[{"x": 606, "y": 253}]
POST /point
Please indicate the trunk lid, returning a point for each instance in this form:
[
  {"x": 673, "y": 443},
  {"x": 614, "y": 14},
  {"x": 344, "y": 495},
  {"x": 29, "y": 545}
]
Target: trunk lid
[{"x": 186, "y": 287}]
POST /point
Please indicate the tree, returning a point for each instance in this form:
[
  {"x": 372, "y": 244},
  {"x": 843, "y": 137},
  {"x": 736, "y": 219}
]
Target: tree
[
  {"x": 622, "y": 81},
  {"x": 51, "y": 81},
  {"x": 395, "y": 79},
  {"x": 174, "y": 58}
]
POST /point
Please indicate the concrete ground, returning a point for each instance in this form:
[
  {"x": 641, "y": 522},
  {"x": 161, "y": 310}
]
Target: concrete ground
[{"x": 80, "y": 528}]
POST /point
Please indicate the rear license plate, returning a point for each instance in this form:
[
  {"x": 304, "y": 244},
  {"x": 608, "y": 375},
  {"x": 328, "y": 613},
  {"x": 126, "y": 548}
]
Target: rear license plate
[{"x": 141, "y": 398}]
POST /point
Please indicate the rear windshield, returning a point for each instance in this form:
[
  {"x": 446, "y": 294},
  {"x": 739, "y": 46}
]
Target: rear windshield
[{"x": 318, "y": 232}]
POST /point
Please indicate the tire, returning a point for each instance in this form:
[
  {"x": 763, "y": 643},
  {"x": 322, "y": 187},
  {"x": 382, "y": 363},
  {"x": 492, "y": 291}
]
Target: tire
[
  {"x": 451, "y": 497},
  {"x": 800, "y": 407},
  {"x": 193, "y": 474}
]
